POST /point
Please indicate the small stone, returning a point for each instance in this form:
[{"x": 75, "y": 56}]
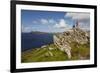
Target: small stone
[
  {"x": 50, "y": 53},
  {"x": 51, "y": 48},
  {"x": 43, "y": 46}
]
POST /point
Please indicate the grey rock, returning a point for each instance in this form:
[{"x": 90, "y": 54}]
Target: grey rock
[{"x": 63, "y": 40}]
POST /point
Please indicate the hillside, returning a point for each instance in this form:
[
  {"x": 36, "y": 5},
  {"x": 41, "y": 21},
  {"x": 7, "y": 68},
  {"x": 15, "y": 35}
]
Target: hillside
[{"x": 70, "y": 45}]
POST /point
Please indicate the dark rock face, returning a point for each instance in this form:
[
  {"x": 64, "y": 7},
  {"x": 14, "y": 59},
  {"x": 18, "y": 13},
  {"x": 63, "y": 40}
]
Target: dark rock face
[{"x": 65, "y": 39}]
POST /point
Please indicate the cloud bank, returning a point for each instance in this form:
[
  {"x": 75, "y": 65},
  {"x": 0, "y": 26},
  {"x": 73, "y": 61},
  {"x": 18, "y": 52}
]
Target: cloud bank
[
  {"x": 62, "y": 25},
  {"x": 82, "y": 18},
  {"x": 78, "y": 16}
]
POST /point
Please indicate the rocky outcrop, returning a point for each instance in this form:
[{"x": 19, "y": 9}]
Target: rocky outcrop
[{"x": 64, "y": 40}]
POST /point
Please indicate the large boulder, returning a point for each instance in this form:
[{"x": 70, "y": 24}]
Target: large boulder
[{"x": 65, "y": 39}]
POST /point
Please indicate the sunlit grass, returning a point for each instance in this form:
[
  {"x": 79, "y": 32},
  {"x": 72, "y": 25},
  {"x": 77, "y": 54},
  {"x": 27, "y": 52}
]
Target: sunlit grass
[{"x": 45, "y": 54}]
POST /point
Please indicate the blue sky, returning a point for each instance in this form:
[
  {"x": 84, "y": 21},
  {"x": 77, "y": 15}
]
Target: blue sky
[{"x": 51, "y": 21}]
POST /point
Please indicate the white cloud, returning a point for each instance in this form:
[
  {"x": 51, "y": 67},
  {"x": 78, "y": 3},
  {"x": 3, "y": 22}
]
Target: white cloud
[
  {"x": 47, "y": 21},
  {"x": 78, "y": 16},
  {"x": 44, "y": 21},
  {"x": 83, "y": 19},
  {"x": 51, "y": 21},
  {"x": 84, "y": 26},
  {"x": 34, "y": 22},
  {"x": 62, "y": 24},
  {"x": 26, "y": 29}
]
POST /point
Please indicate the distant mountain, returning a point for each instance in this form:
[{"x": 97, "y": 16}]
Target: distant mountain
[{"x": 38, "y": 32}]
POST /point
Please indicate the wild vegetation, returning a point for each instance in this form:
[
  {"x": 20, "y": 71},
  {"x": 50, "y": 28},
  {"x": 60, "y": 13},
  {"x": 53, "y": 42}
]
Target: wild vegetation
[{"x": 52, "y": 53}]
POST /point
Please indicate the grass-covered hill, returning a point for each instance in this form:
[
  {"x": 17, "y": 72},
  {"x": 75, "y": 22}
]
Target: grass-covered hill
[{"x": 52, "y": 53}]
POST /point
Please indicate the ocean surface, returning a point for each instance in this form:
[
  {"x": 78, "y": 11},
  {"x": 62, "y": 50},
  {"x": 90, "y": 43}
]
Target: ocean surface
[{"x": 35, "y": 40}]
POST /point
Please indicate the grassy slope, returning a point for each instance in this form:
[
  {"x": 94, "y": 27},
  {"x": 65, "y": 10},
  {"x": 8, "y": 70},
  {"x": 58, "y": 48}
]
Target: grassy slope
[
  {"x": 80, "y": 51},
  {"x": 43, "y": 54}
]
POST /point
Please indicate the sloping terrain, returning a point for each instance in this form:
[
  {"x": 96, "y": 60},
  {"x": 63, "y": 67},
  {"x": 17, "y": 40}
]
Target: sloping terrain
[{"x": 75, "y": 40}]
